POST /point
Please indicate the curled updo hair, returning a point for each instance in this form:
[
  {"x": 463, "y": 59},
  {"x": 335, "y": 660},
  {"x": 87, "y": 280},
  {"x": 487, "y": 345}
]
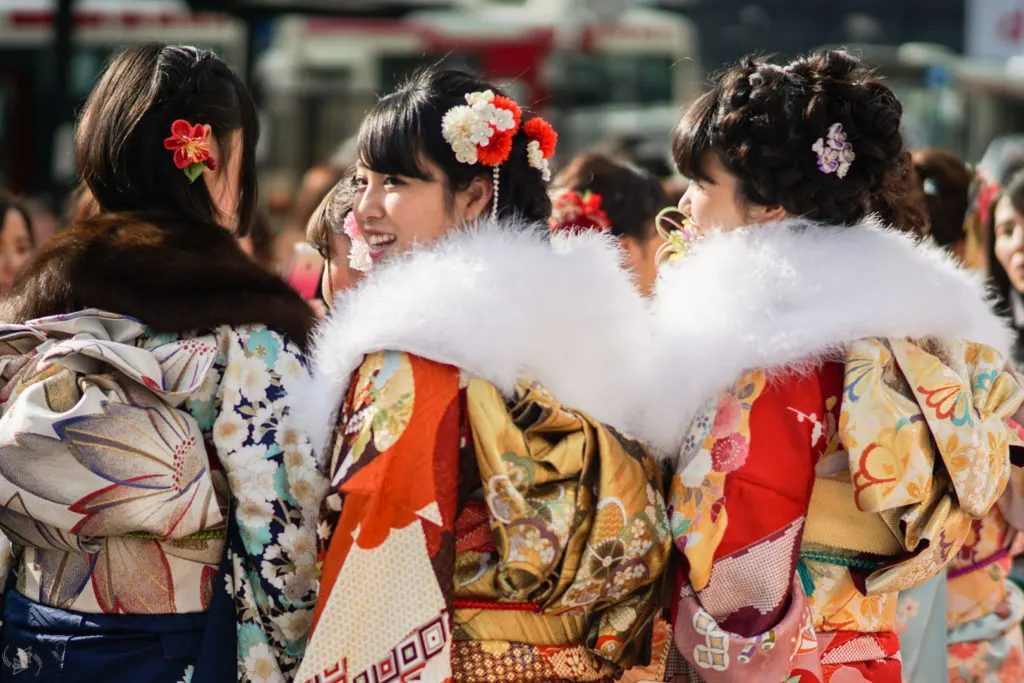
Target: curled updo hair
[
  {"x": 119, "y": 142},
  {"x": 761, "y": 121},
  {"x": 404, "y": 128}
]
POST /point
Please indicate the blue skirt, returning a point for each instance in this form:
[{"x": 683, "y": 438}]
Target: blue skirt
[{"x": 44, "y": 644}]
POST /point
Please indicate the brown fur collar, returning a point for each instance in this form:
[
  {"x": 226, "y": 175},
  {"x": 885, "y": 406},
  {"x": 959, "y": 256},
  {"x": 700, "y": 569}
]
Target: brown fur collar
[{"x": 174, "y": 278}]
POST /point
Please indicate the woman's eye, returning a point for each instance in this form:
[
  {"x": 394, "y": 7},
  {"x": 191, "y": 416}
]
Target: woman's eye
[
  {"x": 359, "y": 182},
  {"x": 393, "y": 180}
]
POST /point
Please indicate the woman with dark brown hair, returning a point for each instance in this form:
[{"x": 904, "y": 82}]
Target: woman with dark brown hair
[
  {"x": 834, "y": 389},
  {"x": 162, "y": 515},
  {"x": 597, "y": 191},
  {"x": 946, "y": 183},
  {"x": 16, "y": 239}
]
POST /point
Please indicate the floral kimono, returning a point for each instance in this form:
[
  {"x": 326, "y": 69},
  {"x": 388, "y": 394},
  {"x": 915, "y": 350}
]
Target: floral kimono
[
  {"x": 162, "y": 516},
  {"x": 855, "y": 431},
  {"x": 984, "y": 608},
  {"x": 482, "y": 526}
]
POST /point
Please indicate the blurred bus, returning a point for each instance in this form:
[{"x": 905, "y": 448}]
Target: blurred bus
[{"x": 591, "y": 78}]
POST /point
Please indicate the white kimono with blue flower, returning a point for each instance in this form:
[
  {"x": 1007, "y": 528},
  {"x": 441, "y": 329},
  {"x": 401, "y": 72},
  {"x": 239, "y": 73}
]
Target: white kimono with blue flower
[{"x": 136, "y": 522}]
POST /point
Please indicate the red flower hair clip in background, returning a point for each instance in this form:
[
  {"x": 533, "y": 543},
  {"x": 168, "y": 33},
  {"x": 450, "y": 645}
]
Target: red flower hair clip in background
[
  {"x": 575, "y": 213},
  {"x": 191, "y": 149}
]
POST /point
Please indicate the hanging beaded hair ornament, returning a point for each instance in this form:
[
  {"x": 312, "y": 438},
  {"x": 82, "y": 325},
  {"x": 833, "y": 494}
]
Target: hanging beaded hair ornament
[
  {"x": 574, "y": 213},
  {"x": 481, "y": 132},
  {"x": 191, "y": 149}
]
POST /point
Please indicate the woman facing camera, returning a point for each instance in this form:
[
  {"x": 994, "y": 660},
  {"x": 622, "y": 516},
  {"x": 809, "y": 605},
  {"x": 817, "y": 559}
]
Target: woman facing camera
[{"x": 487, "y": 518}]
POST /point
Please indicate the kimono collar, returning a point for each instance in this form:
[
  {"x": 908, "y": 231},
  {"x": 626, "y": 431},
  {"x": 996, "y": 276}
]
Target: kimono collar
[
  {"x": 502, "y": 301},
  {"x": 788, "y": 295}
]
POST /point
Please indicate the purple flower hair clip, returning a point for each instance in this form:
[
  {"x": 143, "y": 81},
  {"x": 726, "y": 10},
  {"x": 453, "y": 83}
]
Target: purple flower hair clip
[{"x": 835, "y": 153}]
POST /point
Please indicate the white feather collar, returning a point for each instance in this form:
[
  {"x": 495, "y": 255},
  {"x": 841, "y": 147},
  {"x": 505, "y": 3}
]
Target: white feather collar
[
  {"x": 784, "y": 296},
  {"x": 501, "y": 302}
]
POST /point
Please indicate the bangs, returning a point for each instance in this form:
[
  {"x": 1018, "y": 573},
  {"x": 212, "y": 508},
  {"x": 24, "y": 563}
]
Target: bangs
[
  {"x": 1015, "y": 192},
  {"x": 391, "y": 137},
  {"x": 691, "y": 140}
]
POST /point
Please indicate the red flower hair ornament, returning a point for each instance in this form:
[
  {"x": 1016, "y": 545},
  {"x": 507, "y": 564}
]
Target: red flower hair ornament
[
  {"x": 481, "y": 132},
  {"x": 574, "y": 213},
  {"x": 191, "y": 149},
  {"x": 541, "y": 147}
]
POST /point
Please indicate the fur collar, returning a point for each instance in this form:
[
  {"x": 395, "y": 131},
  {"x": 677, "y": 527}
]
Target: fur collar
[
  {"x": 174, "y": 278},
  {"x": 786, "y": 296},
  {"x": 501, "y": 302}
]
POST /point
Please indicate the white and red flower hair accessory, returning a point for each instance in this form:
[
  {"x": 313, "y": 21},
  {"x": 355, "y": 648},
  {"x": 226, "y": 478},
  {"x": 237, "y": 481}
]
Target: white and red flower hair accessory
[
  {"x": 543, "y": 140},
  {"x": 481, "y": 131},
  {"x": 835, "y": 153}
]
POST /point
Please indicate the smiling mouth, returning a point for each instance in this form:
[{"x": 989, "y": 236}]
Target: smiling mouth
[{"x": 379, "y": 242}]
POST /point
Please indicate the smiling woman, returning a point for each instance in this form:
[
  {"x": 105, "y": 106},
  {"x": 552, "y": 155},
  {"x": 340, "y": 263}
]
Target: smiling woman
[
  {"x": 414, "y": 185},
  {"x": 460, "y": 400}
]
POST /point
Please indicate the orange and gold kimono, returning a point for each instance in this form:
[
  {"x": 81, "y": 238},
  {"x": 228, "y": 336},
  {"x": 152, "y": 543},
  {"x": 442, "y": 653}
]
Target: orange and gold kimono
[
  {"x": 849, "y": 466},
  {"x": 475, "y": 530}
]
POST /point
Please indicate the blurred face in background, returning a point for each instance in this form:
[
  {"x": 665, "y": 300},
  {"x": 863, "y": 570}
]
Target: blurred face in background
[
  {"x": 641, "y": 258},
  {"x": 15, "y": 247},
  {"x": 338, "y": 275},
  {"x": 1009, "y": 242}
]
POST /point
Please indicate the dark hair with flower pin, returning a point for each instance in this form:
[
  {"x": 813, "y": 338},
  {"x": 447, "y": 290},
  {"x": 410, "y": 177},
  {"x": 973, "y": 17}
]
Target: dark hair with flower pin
[{"x": 121, "y": 133}]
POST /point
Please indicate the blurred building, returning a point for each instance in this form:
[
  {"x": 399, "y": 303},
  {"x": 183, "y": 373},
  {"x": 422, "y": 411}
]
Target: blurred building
[{"x": 734, "y": 28}]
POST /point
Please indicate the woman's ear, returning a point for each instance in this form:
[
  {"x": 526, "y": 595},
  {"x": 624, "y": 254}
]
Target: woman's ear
[
  {"x": 765, "y": 214},
  {"x": 216, "y": 153},
  {"x": 476, "y": 198}
]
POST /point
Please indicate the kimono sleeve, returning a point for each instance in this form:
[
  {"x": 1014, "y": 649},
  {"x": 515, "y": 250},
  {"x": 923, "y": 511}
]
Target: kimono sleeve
[
  {"x": 738, "y": 508},
  {"x": 276, "y": 491},
  {"x": 388, "y": 523}
]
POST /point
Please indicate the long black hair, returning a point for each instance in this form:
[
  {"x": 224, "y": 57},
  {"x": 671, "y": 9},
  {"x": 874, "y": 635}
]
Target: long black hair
[
  {"x": 404, "y": 128},
  {"x": 120, "y": 136}
]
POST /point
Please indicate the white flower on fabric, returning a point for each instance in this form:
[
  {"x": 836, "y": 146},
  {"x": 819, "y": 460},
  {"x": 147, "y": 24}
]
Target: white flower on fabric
[
  {"x": 300, "y": 583},
  {"x": 255, "y": 376},
  {"x": 254, "y": 514},
  {"x": 693, "y": 474},
  {"x": 480, "y": 133},
  {"x": 475, "y": 99},
  {"x": 289, "y": 367},
  {"x": 250, "y": 475},
  {"x": 230, "y": 431},
  {"x": 504, "y": 120},
  {"x": 294, "y": 625},
  {"x": 261, "y": 665},
  {"x": 273, "y": 574},
  {"x": 299, "y": 544},
  {"x": 307, "y": 487}
]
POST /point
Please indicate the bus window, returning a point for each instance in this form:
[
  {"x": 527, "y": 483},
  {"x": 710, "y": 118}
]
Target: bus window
[{"x": 599, "y": 79}]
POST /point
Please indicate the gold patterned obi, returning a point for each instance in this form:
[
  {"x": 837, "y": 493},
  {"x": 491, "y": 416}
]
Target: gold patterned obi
[
  {"x": 922, "y": 450},
  {"x": 560, "y": 553}
]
